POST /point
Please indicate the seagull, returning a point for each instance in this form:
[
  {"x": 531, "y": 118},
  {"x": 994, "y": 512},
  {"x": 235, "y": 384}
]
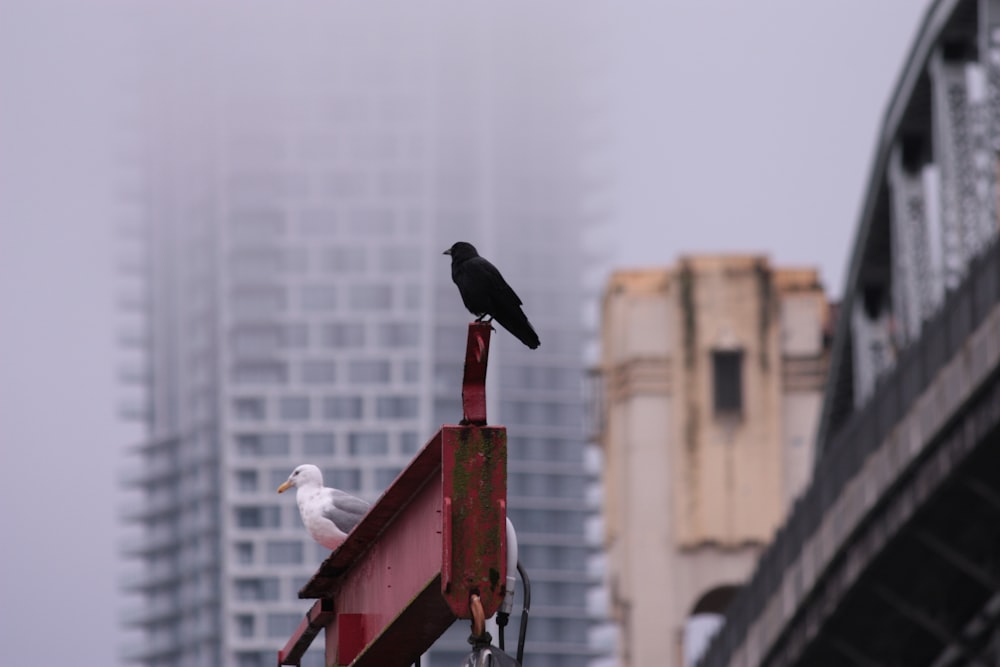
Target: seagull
[
  {"x": 328, "y": 514},
  {"x": 485, "y": 292}
]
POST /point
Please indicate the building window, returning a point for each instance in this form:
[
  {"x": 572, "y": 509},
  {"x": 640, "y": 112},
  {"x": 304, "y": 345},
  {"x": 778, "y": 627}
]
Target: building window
[
  {"x": 281, "y": 626},
  {"x": 257, "y": 224},
  {"x": 294, "y": 407},
  {"x": 244, "y": 625},
  {"x": 342, "y": 407},
  {"x": 547, "y": 485},
  {"x": 294, "y": 260},
  {"x": 244, "y": 553},
  {"x": 317, "y": 222},
  {"x": 727, "y": 381},
  {"x": 344, "y": 183},
  {"x": 275, "y": 444},
  {"x": 553, "y": 556},
  {"x": 344, "y": 259},
  {"x": 254, "y": 263},
  {"x": 344, "y": 334},
  {"x": 258, "y": 517},
  {"x": 376, "y": 372},
  {"x": 368, "y": 444},
  {"x": 284, "y": 553},
  {"x": 345, "y": 479},
  {"x": 318, "y": 444},
  {"x": 550, "y": 522},
  {"x": 396, "y": 407},
  {"x": 398, "y": 334},
  {"x": 385, "y": 476},
  {"x": 319, "y": 372},
  {"x": 263, "y": 372},
  {"x": 447, "y": 410},
  {"x": 250, "y": 659},
  {"x": 372, "y": 221},
  {"x": 294, "y": 336},
  {"x": 256, "y": 340},
  {"x": 399, "y": 259},
  {"x": 263, "y": 444},
  {"x": 412, "y": 296},
  {"x": 319, "y": 297},
  {"x": 447, "y": 376},
  {"x": 246, "y": 481},
  {"x": 251, "y": 409},
  {"x": 409, "y": 442},
  {"x": 248, "y": 445},
  {"x": 371, "y": 297},
  {"x": 254, "y": 185},
  {"x": 258, "y": 301},
  {"x": 253, "y": 589}
]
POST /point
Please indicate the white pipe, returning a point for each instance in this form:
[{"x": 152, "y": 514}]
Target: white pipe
[{"x": 508, "y": 600}]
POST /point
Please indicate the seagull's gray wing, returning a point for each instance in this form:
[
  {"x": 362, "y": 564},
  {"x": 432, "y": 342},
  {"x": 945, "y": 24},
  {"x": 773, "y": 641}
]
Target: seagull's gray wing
[{"x": 344, "y": 510}]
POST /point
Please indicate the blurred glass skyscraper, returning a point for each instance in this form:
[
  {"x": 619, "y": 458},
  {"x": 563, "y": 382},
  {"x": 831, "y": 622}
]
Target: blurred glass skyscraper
[{"x": 297, "y": 180}]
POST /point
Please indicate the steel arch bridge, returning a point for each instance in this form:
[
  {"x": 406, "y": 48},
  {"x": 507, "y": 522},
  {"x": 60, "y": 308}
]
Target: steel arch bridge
[{"x": 892, "y": 556}]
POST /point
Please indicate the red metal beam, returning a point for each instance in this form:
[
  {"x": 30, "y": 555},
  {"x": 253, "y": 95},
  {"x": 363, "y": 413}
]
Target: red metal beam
[
  {"x": 477, "y": 352},
  {"x": 435, "y": 537}
]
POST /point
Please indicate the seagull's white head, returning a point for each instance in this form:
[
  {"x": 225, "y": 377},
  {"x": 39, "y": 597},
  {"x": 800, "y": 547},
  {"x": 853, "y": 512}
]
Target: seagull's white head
[{"x": 305, "y": 475}]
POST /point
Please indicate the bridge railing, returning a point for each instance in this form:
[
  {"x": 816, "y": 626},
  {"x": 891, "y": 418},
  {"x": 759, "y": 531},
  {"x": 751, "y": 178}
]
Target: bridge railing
[{"x": 943, "y": 335}]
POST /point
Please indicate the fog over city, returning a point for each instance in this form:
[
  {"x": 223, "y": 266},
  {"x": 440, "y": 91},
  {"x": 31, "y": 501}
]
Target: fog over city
[{"x": 711, "y": 127}]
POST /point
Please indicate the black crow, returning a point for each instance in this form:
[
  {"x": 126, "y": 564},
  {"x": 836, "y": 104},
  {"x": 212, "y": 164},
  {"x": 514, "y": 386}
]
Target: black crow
[{"x": 485, "y": 292}]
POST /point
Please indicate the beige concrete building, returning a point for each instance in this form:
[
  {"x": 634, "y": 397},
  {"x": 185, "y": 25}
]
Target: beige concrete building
[{"x": 713, "y": 374}]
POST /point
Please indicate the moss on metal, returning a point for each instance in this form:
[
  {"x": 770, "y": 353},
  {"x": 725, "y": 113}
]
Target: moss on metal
[{"x": 489, "y": 447}]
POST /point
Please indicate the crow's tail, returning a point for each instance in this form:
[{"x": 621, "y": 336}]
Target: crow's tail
[{"x": 517, "y": 323}]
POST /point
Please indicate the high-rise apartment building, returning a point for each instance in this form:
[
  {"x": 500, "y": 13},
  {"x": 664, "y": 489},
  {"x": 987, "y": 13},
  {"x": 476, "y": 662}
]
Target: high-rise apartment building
[
  {"x": 300, "y": 178},
  {"x": 713, "y": 374}
]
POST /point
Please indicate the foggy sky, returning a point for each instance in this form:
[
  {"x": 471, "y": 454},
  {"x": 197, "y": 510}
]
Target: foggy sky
[{"x": 730, "y": 126}]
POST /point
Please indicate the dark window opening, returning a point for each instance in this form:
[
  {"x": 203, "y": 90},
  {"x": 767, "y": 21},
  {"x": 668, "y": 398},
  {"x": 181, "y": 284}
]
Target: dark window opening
[{"x": 727, "y": 377}]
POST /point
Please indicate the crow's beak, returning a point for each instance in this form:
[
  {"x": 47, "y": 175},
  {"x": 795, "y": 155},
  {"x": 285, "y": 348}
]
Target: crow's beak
[
  {"x": 447, "y": 252},
  {"x": 284, "y": 487}
]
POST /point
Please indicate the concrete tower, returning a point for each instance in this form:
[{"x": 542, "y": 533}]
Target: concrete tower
[{"x": 713, "y": 372}]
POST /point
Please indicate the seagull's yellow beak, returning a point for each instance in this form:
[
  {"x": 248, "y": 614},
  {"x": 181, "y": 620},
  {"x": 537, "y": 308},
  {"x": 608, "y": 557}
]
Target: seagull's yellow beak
[{"x": 284, "y": 487}]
